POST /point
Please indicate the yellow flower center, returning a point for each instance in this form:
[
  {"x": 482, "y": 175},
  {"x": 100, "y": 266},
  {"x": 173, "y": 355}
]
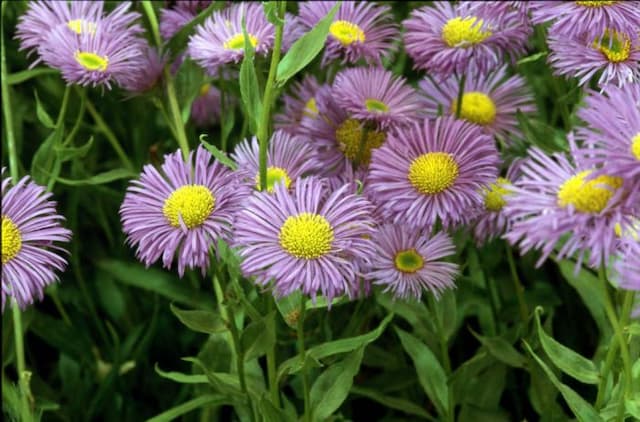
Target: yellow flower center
[
  {"x": 433, "y": 172},
  {"x": 464, "y": 32},
  {"x": 306, "y": 236},
  {"x": 349, "y": 138},
  {"x": 346, "y": 32},
  {"x": 80, "y": 25},
  {"x": 91, "y": 61},
  {"x": 494, "y": 195},
  {"x": 615, "y": 46},
  {"x": 11, "y": 239},
  {"x": 588, "y": 196},
  {"x": 274, "y": 175},
  {"x": 408, "y": 261},
  {"x": 477, "y": 107},
  {"x": 376, "y": 105},
  {"x": 635, "y": 146},
  {"x": 191, "y": 203},
  {"x": 204, "y": 89},
  {"x": 311, "y": 108},
  {"x": 237, "y": 42},
  {"x": 633, "y": 231},
  {"x": 596, "y": 3}
]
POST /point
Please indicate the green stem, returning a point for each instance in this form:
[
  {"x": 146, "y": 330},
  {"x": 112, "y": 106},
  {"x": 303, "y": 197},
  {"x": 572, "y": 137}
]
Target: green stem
[
  {"x": 271, "y": 366},
  {"x": 617, "y": 328},
  {"x": 23, "y": 375},
  {"x": 268, "y": 99},
  {"x": 104, "y": 128},
  {"x": 301, "y": 351},
  {"x": 61, "y": 115},
  {"x": 444, "y": 352},
  {"x": 6, "y": 109},
  {"x": 522, "y": 304},
  {"x": 462, "y": 81}
]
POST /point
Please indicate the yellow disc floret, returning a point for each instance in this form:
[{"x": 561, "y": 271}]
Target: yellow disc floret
[
  {"x": 237, "y": 42},
  {"x": 494, "y": 195},
  {"x": 350, "y": 142},
  {"x": 92, "y": 61},
  {"x": 464, "y": 32},
  {"x": 595, "y": 3},
  {"x": 632, "y": 230},
  {"x": 408, "y": 261},
  {"x": 590, "y": 196},
  {"x": 80, "y": 25},
  {"x": 191, "y": 203},
  {"x": 346, "y": 32},
  {"x": 11, "y": 239},
  {"x": 306, "y": 235},
  {"x": 376, "y": 105},
  {"x": 433, "y": 172},
  {"x": 274, "y": 175},
  {"x": 477, "y": 107},
  {"x": 635, "y": 146},
  {"x": 615, "y": 46},
  {"x": 311, "y": 108}
]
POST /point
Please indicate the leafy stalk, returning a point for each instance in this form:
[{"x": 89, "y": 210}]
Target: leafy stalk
[{"x": 301, "y": 350}]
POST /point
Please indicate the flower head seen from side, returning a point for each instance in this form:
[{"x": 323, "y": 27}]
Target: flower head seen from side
[
  {"x": 555, "y": 199},
  {"x": 490, "y": 100},
  {"x": 590, "y": 18},
  {"x": 432, "y": 170},
  {"x": 376, "y": 95},
  {"x": 31, "y": 229},
  {"x": 206, "y": 109},
  {"x": 149, "y": 74},
  {"x": 308, "y": 240},
  {"x": 627, "y": 267},
  {"x": 408, "y": 262},
  {"x": 299, "y": 103},
  {"x": 446, "y": 39},
  {"x": 183, "y": 210},
  {"x": 289, "y": 158},
  {"x": 501, "y": 9},
  {"x": 220, "y": 40},
  {"x": 174, "y": 19},
  {"x": 360, "y": 30}
]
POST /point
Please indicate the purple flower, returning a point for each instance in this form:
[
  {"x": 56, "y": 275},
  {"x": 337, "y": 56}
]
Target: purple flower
[
  {"x": 220, "y": 40},
  {"x": 184, "y": 11},
  {"x": 293, "y": 30},
  {"x": 446, "y": 39},
  {"x": 407, "y": 262},
  {"x": 615, "y": 54},
  {"x": 501, "y": 9},
  {"x": 374, "y": 94},
  {"x": 289, "y": 158},
  {"x": 147, "y": 76},
  {"x": 360, "y": 30},
  {"x": 185, "y": 209},
  {"x": 206, "y": 109},
  {"x": 300, "y": 103},
  {"x": 30, "y": 226},
  {"x": 628, "y": 266},
  {"x": 555, "y": 198},
  {"x": 306, "y": 240},
  {"x": 490, "y": 100},
  {"x": 590, "y": 18},
  {"x": 432, "y": 170},
  {"x": 612, "y": 131}
]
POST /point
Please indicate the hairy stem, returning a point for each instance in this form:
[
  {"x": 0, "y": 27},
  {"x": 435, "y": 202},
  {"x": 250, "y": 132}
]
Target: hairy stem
[
  {"x": 301, "y": 351},
  {"x": 23, "y": 375},
  {"x": 108, "y": 133},
  {"x": 462, "y": 81},
  {"x": 6, "y": 110}
]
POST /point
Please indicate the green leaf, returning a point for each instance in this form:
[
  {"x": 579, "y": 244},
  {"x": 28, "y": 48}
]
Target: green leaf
[
  {"x": 271, "y": 12},
  {"x": 580, "y": 408},
  {"x": 25, "y": 75},
  {"x": 181, "y": 409},
  {"x": 633, "y": 329},
  {"x": 567, "y": 360},
  {"x": 41, "y": 165},
  {"x": 396, "y": 403},
  {"x": 219, "y": 155},
  {"x": 100, "y": 179},
  {"x": 249, "y": 89},
  {"x": 69, "y": 153},
  {"x": 305, "y": 49},
  {"x": 178, "y": 42},
  {"x": 272, "y": 413},
  {"x": 430, "y": 373},
  {"x": 289, "y": 308},
  {"x": 226, "y": 384},
  {"x": 42, "y": 114},
  {"x": 502, "y": 350},
  {"x": 207, "y": 322},
  {"x": 332, "y": 387},
  {"x": 532, "y": 58},
  {"x": 188, "y": 82},
  {"x": 156, "y": 281},
  {"x": 61, "y": 336},
  {"x": 471, "y": 413},
  {"x": 182, "y": 378},
  {"x": 632, "y": 406},
  {"x": 259, "y": 337}
]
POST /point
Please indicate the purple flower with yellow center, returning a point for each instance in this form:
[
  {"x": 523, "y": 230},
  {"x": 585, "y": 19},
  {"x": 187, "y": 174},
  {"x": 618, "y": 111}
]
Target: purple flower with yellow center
[
  {"x": 360, "y": 30},
  {"x": 220, "y": 40},
  {"x": 408, "y": 262},
  {"x": 289, "y": 158},
  {"x": 308, "y": 240},
  {"x": 447, "y": 39},
  {"x": 556, "y": 199},
  {"x": 206, "y": 109},
  {"x": 30, "y": 226},
  {"x": 590, "y": 18},
  {"x": 627, "y": 267},
  {"x": 612, "y": 131},
  {"x": 374, "y": 94},
  {"x": 183, "y": 210},
  {"x": 299, "y": 103},
  {"x": 340, "y": 139},
  {"x": 432, "y": 170},
  {"x": 183, "y": 12},
  {"x": 490, "y": 100},
  {"x": 615, "y": 55},
  {"x": 149, "y": 74}
]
